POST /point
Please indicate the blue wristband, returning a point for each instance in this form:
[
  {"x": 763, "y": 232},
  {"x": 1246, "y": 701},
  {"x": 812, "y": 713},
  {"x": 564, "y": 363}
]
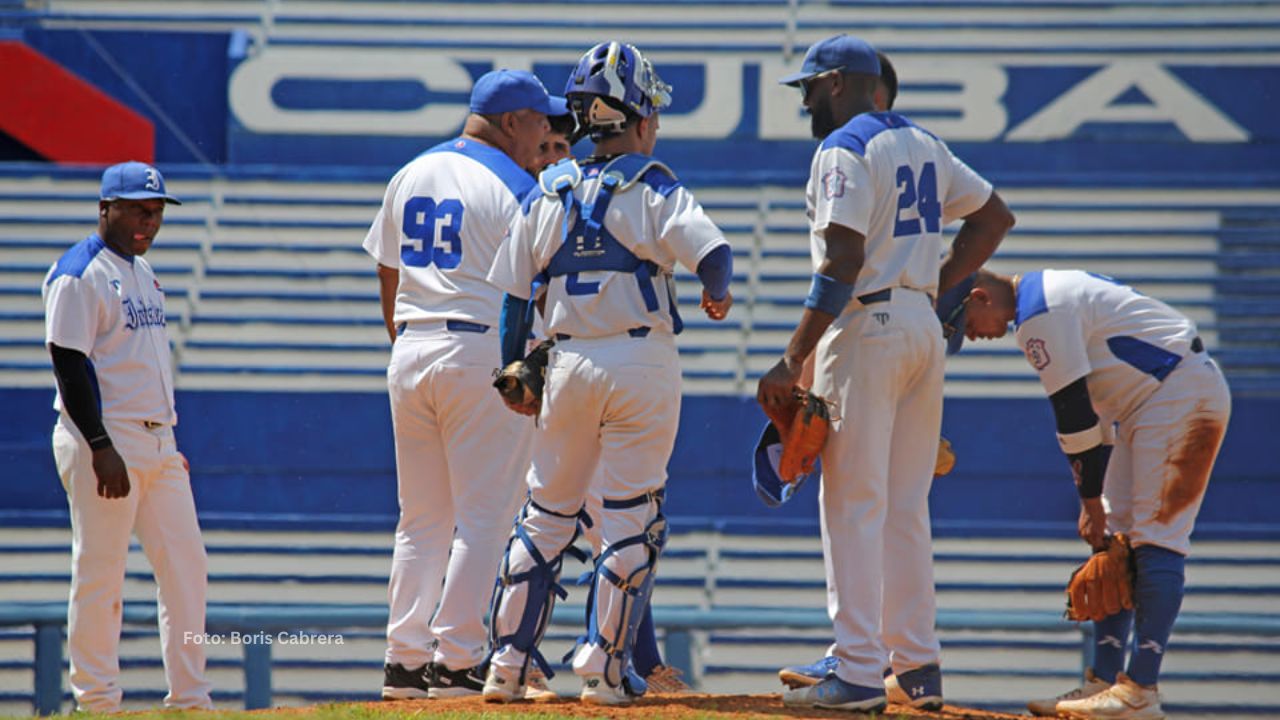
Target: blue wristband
[{"x": 828, "y": 295}]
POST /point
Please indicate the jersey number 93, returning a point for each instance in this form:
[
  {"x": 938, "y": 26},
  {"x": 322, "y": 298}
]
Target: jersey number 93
[{"x": 433, "y": 229}]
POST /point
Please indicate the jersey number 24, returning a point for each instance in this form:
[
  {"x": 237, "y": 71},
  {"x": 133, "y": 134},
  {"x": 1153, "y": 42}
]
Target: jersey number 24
[
  {"x": 434, "y": 231},
  {"x": 922, "y": 198}
]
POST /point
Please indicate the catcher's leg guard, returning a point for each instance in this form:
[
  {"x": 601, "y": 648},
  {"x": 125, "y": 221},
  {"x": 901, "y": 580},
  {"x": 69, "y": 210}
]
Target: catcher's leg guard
[
  {"x": 621, "y": 586},
  {"x": 528, "y": 582}
]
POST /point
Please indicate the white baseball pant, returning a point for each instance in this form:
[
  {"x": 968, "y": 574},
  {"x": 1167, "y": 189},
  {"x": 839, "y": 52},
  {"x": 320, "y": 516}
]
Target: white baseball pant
[
  {"x": 610, "y": 412},
  {"x": 160, "y": 508},
  {"x": 1164, "y": 455},
  {"x": 461, "y": 459},
  {"x": 883, "y": 365}
]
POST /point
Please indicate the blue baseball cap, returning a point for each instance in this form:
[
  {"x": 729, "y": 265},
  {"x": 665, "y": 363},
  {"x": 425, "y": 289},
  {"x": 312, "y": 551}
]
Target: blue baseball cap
[
  {"x": 952, "y": 313},
  {"x": 766, "y": 480},
  {"x": 501, "y": 91},
  {"x": 134, "y": 181},
  {"x": 842, "y": 52}
]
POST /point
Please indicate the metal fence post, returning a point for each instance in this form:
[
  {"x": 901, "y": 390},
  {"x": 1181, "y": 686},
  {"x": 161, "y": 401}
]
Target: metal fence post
[
  {"x": 48, "y": 669},
  {"x": 257, "y": 675},
  {"x": 679, "y": 647}
]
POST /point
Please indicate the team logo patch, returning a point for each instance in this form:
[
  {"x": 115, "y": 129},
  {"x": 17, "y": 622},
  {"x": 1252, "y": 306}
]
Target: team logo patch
[
  {"x": 460, "y": 144},
  {"x": 157, "y": 282},
  {"x": 1037, "y": 353},
  {"x": 833, "y": 184}
]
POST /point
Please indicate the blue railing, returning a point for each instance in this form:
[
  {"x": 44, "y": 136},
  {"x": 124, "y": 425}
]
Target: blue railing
[{"x": 679, "y": 623}]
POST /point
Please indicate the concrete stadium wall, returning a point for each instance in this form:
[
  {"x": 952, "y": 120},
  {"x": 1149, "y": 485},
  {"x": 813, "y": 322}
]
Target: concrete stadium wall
[{"x": 325, "y": 460}]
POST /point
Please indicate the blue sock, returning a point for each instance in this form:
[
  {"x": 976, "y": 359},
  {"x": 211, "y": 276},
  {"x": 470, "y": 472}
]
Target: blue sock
[
  {"x": 1111, "y": 638},
  {"x": 645, "y": 656},
  {"x": 1157, "y": 597}
]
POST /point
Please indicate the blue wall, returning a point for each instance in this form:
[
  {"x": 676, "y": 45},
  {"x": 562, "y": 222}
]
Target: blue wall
[{"x": 329, "y": 455}]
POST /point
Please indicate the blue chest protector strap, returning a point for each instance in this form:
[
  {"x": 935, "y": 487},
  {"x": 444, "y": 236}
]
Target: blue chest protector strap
[{"x": 588, "y": 245}]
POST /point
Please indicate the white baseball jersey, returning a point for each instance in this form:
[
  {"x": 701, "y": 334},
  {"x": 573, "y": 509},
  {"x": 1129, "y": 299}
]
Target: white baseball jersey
[
  {"x": 896, "y": 184},
  {"x": 442, "y": 245},
  {"x": 111, "y": 308},
  {"x": 657, "y": 220},
  {"x": 1073, "y": 324}
]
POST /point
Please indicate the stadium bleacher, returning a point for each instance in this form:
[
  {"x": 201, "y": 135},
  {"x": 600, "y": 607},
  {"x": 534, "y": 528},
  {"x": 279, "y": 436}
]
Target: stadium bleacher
[{"x": 270, "y": 288}]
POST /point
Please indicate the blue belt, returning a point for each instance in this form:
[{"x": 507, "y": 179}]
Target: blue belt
[
  {"x": 635, "y": 332},
  {"x": 878, "y": 296},
  {"x": 452, "y": 326}
]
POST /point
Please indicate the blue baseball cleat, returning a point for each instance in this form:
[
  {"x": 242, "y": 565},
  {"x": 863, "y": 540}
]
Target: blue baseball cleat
[
  {"x": 799, "y": 676},
  {"x": 920, "y": 688},
  {"x": 836, "y": 694}
]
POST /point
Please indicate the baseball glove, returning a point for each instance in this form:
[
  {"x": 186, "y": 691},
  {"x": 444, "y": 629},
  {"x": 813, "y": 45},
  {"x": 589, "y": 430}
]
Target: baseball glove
[
  {"x": 1103, "y": 585},
  {"x": 946, "y": 459},
  {"x": 803, "y": 427},
  {"x": 520, "y": 383}
]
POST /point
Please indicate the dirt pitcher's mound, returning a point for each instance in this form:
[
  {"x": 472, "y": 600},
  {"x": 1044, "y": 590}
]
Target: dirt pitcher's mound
[{"x": 684, "y": 706}]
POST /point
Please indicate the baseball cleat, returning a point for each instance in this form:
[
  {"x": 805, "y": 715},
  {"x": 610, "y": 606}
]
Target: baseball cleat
[
  {"x": 1126, "y": 700},
  {"x": 836, "y": 694},
  {"x": 666, "y": 679},
  {"x": 446, "y": 683},
  {"x": 596, "y": 691},
  {"x": 1049, "y": 707},
  {"x": 920, "y": 688},
  {"x": 799, "y": 676},
  {"x": 402, "y": 683},
  {"x": 500, "y": 687},
  {"x": 536, "y": 688}
]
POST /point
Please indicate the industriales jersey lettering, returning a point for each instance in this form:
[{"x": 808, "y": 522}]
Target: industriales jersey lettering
[
  {"x": 1074, "y": 324},
  {"x": 652, "y": 224},
  {"x": 111, "y": 308},
  {"x": 441, "y": 221},
  {"x": 896, "y": 184}
]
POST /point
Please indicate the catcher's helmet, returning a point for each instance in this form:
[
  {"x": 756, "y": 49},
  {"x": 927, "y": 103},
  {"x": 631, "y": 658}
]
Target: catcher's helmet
[{"x": 612, "y": 81}]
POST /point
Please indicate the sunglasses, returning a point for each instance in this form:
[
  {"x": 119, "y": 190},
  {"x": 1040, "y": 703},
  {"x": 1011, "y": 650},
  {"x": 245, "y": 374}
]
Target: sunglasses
[
  {"x": 949, "y": 325},
  {"x": 807, "y": 83}
]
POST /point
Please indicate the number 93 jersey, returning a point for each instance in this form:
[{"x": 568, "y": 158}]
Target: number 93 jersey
[
  {"x": 441, "y": 221},
  {"x": 897, "y": 184}
]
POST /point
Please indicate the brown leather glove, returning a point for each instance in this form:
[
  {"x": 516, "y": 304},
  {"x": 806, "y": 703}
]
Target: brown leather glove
[{"x": 1103, "y": 585}]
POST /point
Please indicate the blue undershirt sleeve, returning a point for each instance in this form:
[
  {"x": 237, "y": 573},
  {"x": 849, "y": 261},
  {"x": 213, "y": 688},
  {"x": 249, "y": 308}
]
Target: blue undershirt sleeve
[
  {"x": 513, "y": 328},
  {"x": 715, "y": 270}
]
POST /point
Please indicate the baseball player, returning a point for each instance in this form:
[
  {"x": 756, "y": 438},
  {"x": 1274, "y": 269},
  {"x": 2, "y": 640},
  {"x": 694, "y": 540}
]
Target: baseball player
[
  {"x": 603, "y": 238},
  {"x": 647, "y": 658},
  {"x": 114, "y": 447},
  {"x": 1141, "y": 410},
  {"x": 879, "y": 192},
  {"x": 434, "y": 239}
]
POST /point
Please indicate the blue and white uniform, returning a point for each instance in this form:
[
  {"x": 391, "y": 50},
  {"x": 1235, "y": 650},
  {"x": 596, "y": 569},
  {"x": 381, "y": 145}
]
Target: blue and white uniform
[
  {"x": 881, "y": 362},
  {"x": 111, "y": 308},
  {"x": 460, "y": 454},
  {"x": 1149, "y": 375},
  {"x": 611, "y": 404}
]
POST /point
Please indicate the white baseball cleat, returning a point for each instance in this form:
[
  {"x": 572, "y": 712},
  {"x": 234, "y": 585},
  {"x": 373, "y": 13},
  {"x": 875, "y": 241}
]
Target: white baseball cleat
[
  {"x": 596, "y": 691},
  {"x": 1126, "y": 700},
  {"x": 1049, "y": 707},
  {"x": 536, "y": 688},
  {"x": 501, "y": 687}
]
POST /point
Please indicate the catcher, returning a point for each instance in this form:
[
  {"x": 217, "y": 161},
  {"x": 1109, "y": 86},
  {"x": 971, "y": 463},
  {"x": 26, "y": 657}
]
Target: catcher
[{"x": 1141, "y": 411}]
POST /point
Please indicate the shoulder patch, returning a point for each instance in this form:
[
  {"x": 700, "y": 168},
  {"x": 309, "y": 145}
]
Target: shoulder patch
[
  {"x": 76, "y": 259},
  {"x": 833, "y": 182},
  {"x": 1038, "y": 354}
]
